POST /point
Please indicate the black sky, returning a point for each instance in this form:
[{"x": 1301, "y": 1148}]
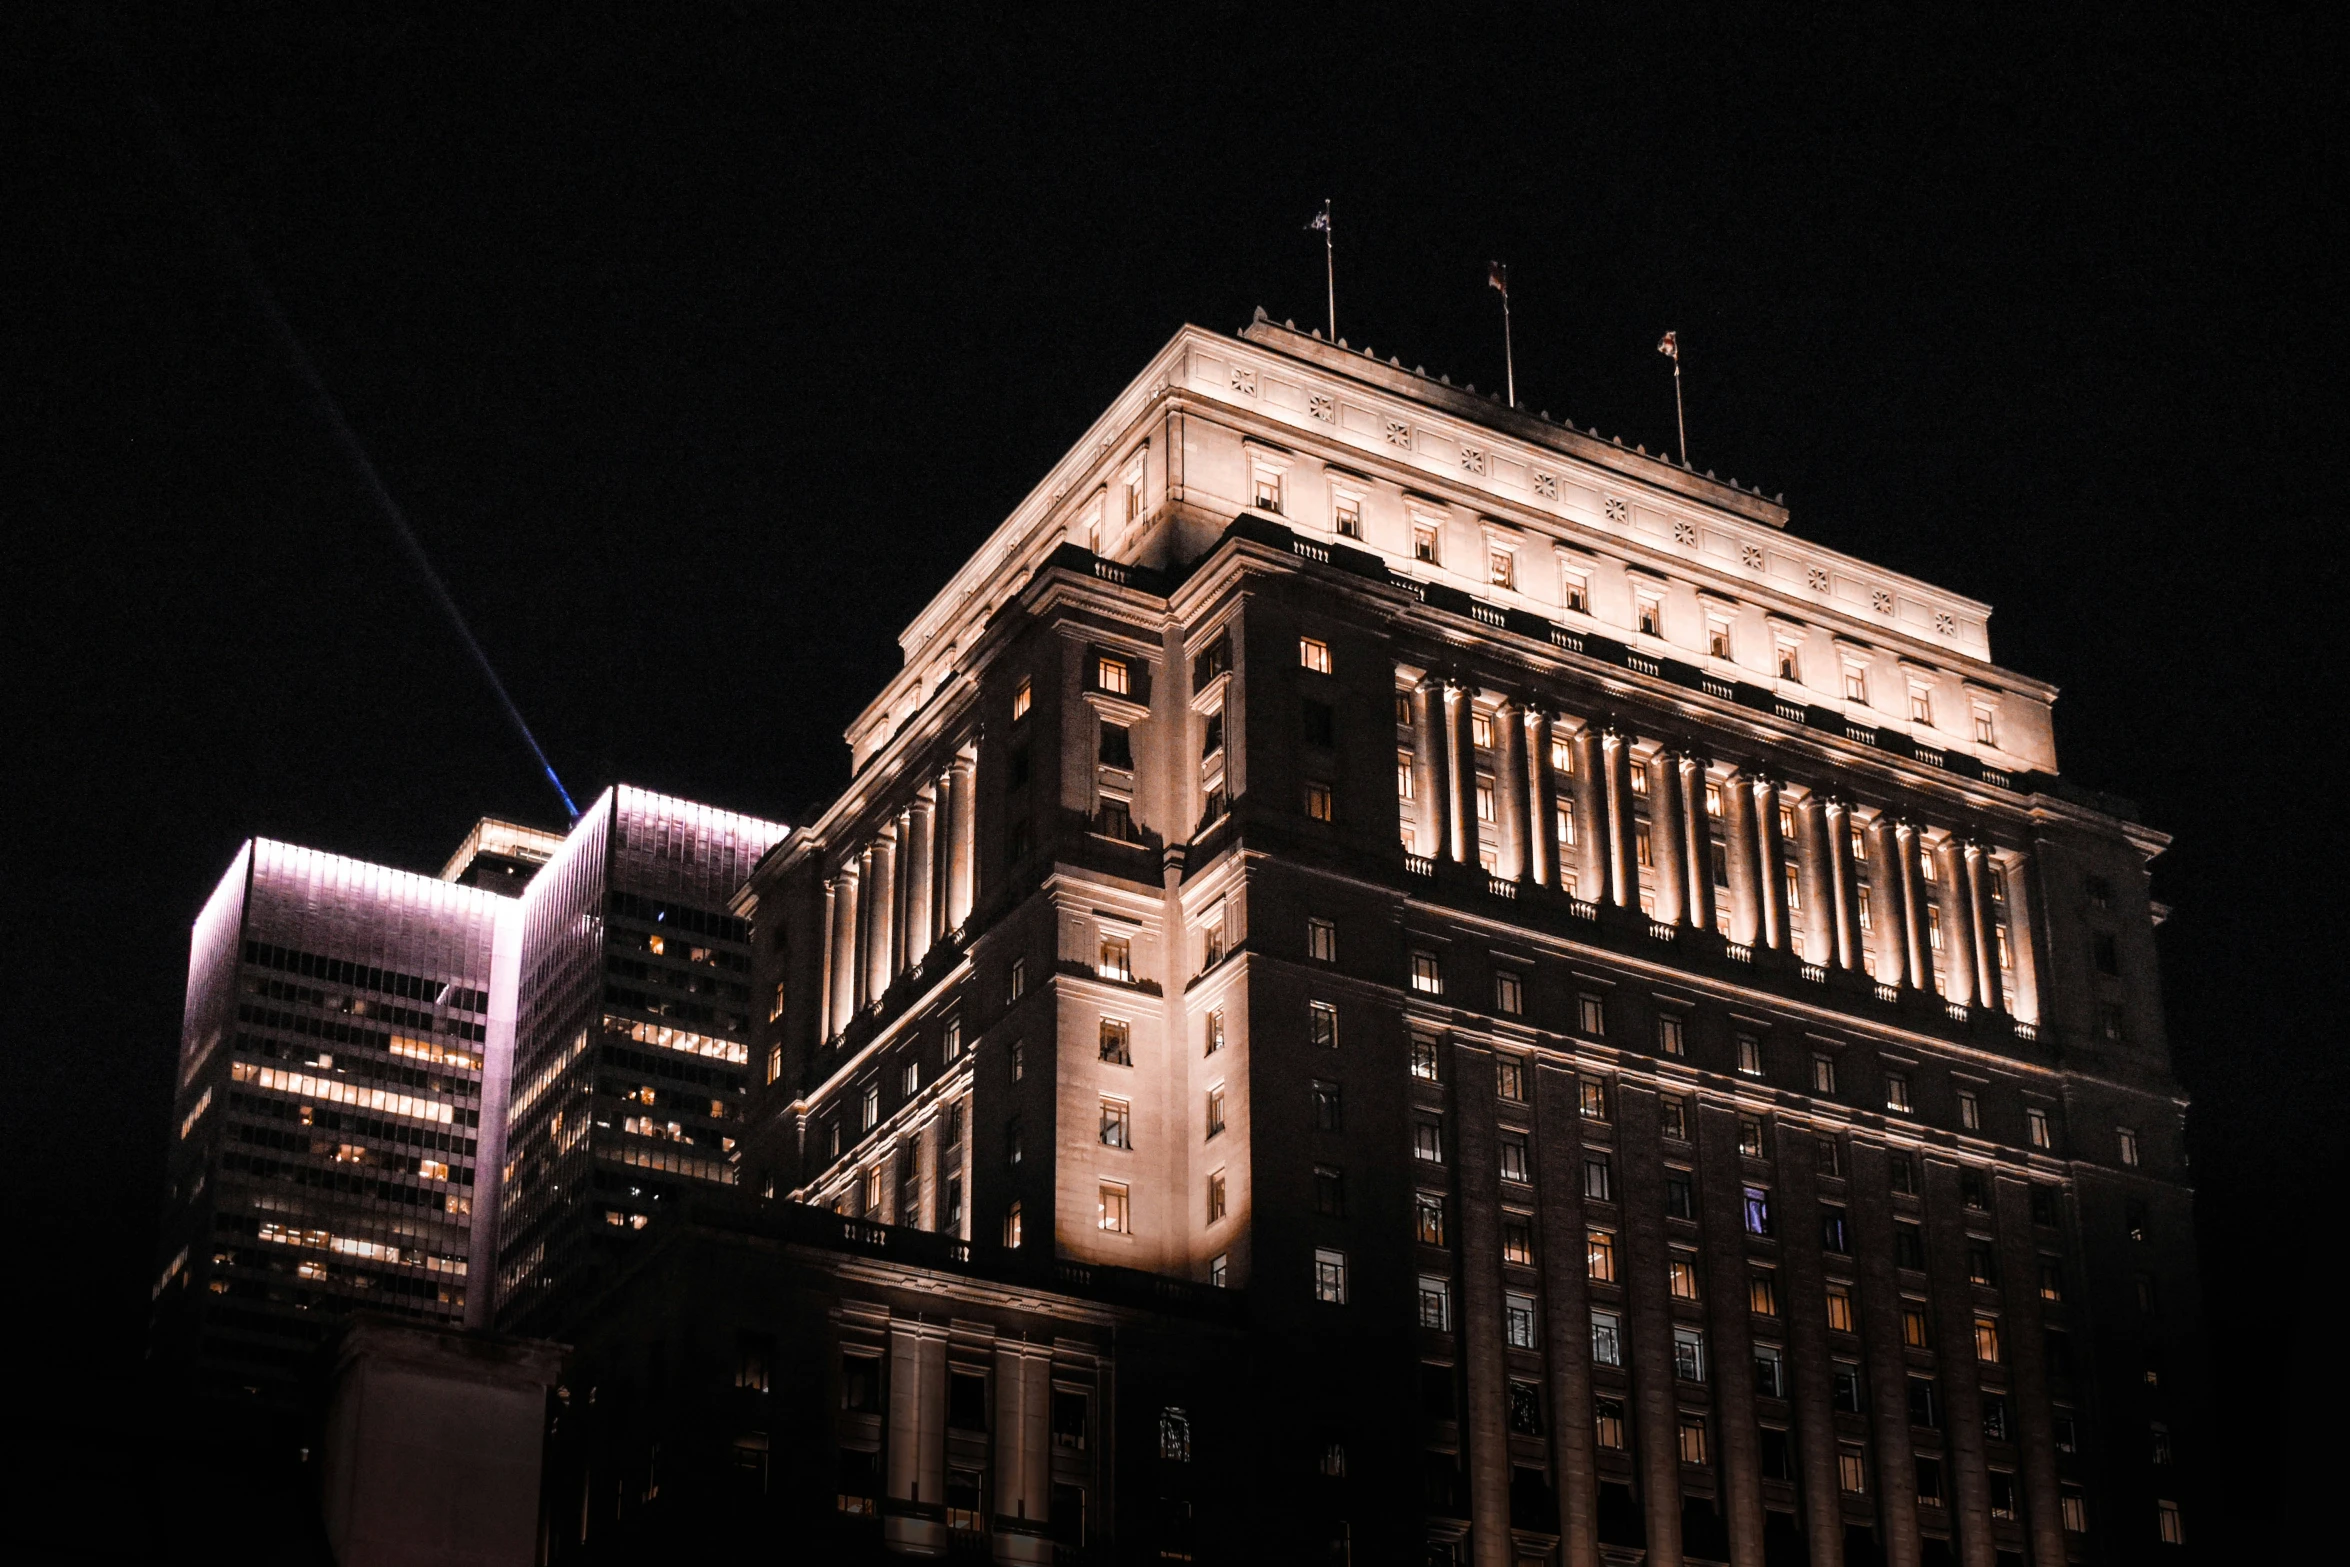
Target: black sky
[{"x": 702, "y": 343}]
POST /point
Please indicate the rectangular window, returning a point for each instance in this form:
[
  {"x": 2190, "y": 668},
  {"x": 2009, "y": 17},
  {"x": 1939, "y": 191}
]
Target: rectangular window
[
  {"x": 1717, "y": 637},
  {"x": 1856, "y": 684},
  {"x": 1435, "y": 1303},
  {"x": 1329, "y": 1192},
  {"x": 1591, "y": 1015},
  {"x": 1509, "y": 1078},
  {"x": 1651, "y": 617},
  {"x": 2127, "y": 1143},
  {"x": 1424, "y": 543},
  {"x": 1012, "y": 1227},
  {"x": 1897, "y": 1091},
  {"x": 1823, "y": 1074},
  {"x": 1514, "y": 1164},
  {"x": 2036, "y": 1123},
  {"x": 1681, "y": 1274},
  {"x": 1117, "y": 958},
  {"x": 1750, "y": 1136},
  {"x": 1750, "y": 1055},
  {"x": 1680, "y": 1193},
  {"x": 1916, "y": 1332},
  {"x": 1424, "y": 1062},
  {"x": 1481, "y": 736},
  {"x": 1987, "y": 1340},
  {"x": 1673, "y": 1116},
  {"x": 1220, "y": 1271},
  {"x": 1509, "y": 998},
  {"x": 1117, "y": 1124},
  {"x": 1770, "y": 1371},
  {"x": 1925, "y": 1404},
  {"x": 1214, "y": 1031},
  {"x": 1762, "y": 1293},
  {"x": 1643, "y": 845},
  {"x": 1216, "y": 1111},
  {"x": 1329, "y": 1276},
  {"x": 1607, "y": 1339},
  {"x": 1321, "y": 804},
  {"x": 1115, "y": 1215},
  {"x": 1669, "y": 1033},
  {"x": 1757, "y": 1208},
  {"x": 1598, "y": 1182},
  {"x": 1517, "y": 1321},
  {"x": 1329, "y": 1108},
  {"x": 1428, "y": 1218},
  {"x": 1502, "y": 568},
  {"x": 1921, "y": 706},
  {"x": 1563, "y": 822},
  {"x": 1840, "y": 1318},
  {"x": 1689, "y": 1354},
  {"x": 1909, "y": 1244},
  {"x": 1517, "y": 1239},
  {"x": 1692, "y": 1439},
  {"x": 1313, "y": 654},
  {"x": 1600, "y": 1255},
  {"x": 1347, "y": 516},
  {"x": 1428, "y": 1140},
  {"x": 1322, "y": 1024},
  {"x": 1021, "y": 697},
  {"x": 1852, "y": 1471},
  {"x": 1929, "y": 1476},
  {"x": 1427, "y": 974},
  {"x": 2073, "y": 1507},
  {"x": 1321, "y": 941},
  {"x": 1215, "y": 1196},
  {"x": 1112, "y": 675},
  {"x": 1117, "y": 746},
  {"x": 1116, "y": 1042},
  {"x": 1593, "y": 1098},
  {"x": 1574, "y": 590},
  {"x": 1787, "y": 663},
  {"x": 1982, "y": 1262},
  {"x": 1834, "y": 1233},
  {"x": 1970, "y": 1110},
  {"x": 1607, "y": 1421},
  {"x": 1268, "y": 491},
  {"x": 1844, "y": 1389}
]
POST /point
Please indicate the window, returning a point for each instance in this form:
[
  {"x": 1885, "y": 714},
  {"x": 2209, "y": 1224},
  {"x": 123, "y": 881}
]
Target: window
[
  {"x": 1916, "y": 1330},
  {"x": 1901, "y": 1174},
  {"x": 1117, "y": 1124},
  {"x": 1924, "y": 1403},
  {"x": 1651, "y": 617},
  {"x": 1982, "y": 1262},
  {"x": 1897, "y": 1091},
  {"x": 1591, "y": 1015},
  {"x": 1689, "y": 1354},
  {"x": 2109, "y": 1021},
  {"x": 1116, "y": 960},
  {"x": 1216, "y": 1110},
  {"x": 1525, "y": 1408},
  {"x": 1598, "y": 1184},
  {"x": 1844, "y": 1389},
  {"x": 1778, "y": 1453},
  {"x": 1514, "y": 1164},
  {"x": 1717, "y": 637},
  {"x": 1835, "y": 1235},
  {"x": 1116, "y": 1046},
  {"x": 1321, "y": 941},
  {"x": 2051, "y": 1279},
  {"x": 1669, "y": 1033},
  {"x": 1970, "y": 1110},
  {"x": 1214, "y": 1031},
  {"x": 2105, "y": 952},
  {"x": 1680, "y": 1193},
  {"x": 1757, "y": 1208},
  {"x": 1987, "y": 1340},
  {"x": 1424, "y": 1062},
  {"x": 1313, "y": 654},
  {"x": 909, "y": 1079},
  {"x": 1517, "y": 1239},
  {"x": 1435, "y": 1303},
  {"x": 2158, "y": 1443},
  {"x": 2044, "y": 1205},
  {"x": 1593, "y": 1098},
  {"x": 1424, "y": 543},
  {"x": 1673, "y": 1114},
  {"x": 1322, "y": 1024},
  {"x": 1212, "y": 733},
  {"x": 1856, "y": 684},
  {"x": 2128, "y": 1143},
  {"x": 1563, "y": 822},
  {"x": 1428, "y": 1218},
  {"x": 1788, "y": 666},
  {"x": 1428, "y": 1140},
  {"x": 1112, "y": 675},
  {"x": 1823, "y": 1074},
  {"x": 1929, "y": 1478},
  {"x": 1840, "y": 1317},
  {"x": 1268, "y": 491},
  {"x": 1921, "y": 706},
  {"x": 1909, "y": 1245},
  {"x": 1012, "y": 1227},
  {"x": 1220, "y": 1271},
  {"x": 1329, "y": 1191},
  {"x": 1215, "y": 1196},
  {"x": 1600, "y": 1255},
  {"x": 1502, "y": 567},
  {"x": 1692, "y": 1438},
  {"x": 1347, "y": 516},
  {"x": 1750, "y": 1055},
  {"x": 1770, "y": 1371},
  {"x": 1329, "y": 1276},
  {"x": 1113, "y": 1208},
  {"x": 1481, "y": 736},
  {"x": 1021, "y": 695},
  {"x": 1575, "y": 590},
  {"x": 1517, "y": 1320},
  {"x": 2036, "y": 1124},
  {"x": 1018, "y": 982},
  {"x": 2073, "y": 1506},
  {"x": 1607, "y": 1421},
  {"x": 1427, "y": 975},
  {"x": 1509, "y": 1078},
  {"x": 1117, "y": 746},
  {"x": 1509, "y": 997},
  {"x": 1321, "y": 805},
  {"x": 869, "y": 1107},
  {"x": 1762, "y": 1292},
  {"x": 1329, "y": 1108},
  {"x": 1852, "y": 1471},
  {"x": 1403, "y": 775},
  {"x": 1750, "y": 1136},
  {"x": 1681, "y": 1274},
  {"x": 1607, "y": 1338}
]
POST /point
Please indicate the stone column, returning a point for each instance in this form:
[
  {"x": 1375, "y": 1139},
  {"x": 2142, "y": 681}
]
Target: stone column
[
  {"x": 1509, "y": 791},
  {"x": 1887, "y": 1370},
  {"x": 1769, "y": 861},
  {"x": 1566, "y": 1307},
  {"x": 1890, "y": 911},
  {"x": 962, "y": 863},
  {"x": 1697, "y": 841},
  {"x": 824, "y": 1024},
  {"x": 1665, "y": 836},
  {"x": 1803, "y": 1309},
  {"x": 1648, "y": 1320},
  {"x": 1968, "y": 1476},
  {"x": 1917, "y": 947},
  {"x": 879, "y": 900},
  {"x": 1623, "y": 868},
  {"x": 1745, "y": 924},
  {"x": 1460, "y": 706},
  {"x": 1023, "y": 1453},
  {"x": 1593, "y": 833},
  {"x": 1956, "y": 904},
  {"x": 903, "y": 940},
  {"x": 1818, "y": 924},
  {"x": 921, "y": 868},
  {"x": 1484, "y": 1360},
  {"x": 1431, "y": 832},
  {"x": 1982, "y": 926},
  {"x": 2020, "y": 932},
  {"x": 844, "y": 944},
  {"x": 2035, "y": 1439},
  {"x": 1843, "y": 884},
  {"x": 1729, "y": 1334},
  {"x": 913, "y": 1515},
  {"x": 1542, "y": 845}
]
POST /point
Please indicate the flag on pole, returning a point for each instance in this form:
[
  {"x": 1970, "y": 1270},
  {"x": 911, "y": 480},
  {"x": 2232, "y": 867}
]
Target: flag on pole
[
  {"x": 1498, "y": 276},
  {"x": 1670, "y": 346},
  {"x": 1321, "y": 223}
]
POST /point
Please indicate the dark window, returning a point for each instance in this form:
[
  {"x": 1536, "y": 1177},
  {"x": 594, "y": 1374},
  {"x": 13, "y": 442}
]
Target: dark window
[
  {"x": 1778, "y": 1454},
  {"x": 2134, "y": 1220},
  {"x": 860, "y": 1383},
  {"x": 1930, "y": 1481},
  {"x": 1211, "y": 661},
  {"x": 1924, "y": 1407},
  {"x": 1016, "y": 841},
  {"x": 2044, "y": 1205},
  {"x": 1975, "y": 1189},
  {"x": 1902, "y": 1170},
  {"x": 1016, "y": 766},
  {"x": 2100, "y": 892},
  {"x": 1526, "y": 1408},
  {"x": 1068, "y": 1515},
  {"x": 1436, "y": 1391},
  {"x": 1531, "y": 1504},
  {"x": 1982, "y": 1261},
  {"x": 1844, "y": 1387},
  {"x": 1068, "y": 1418},
  {"x": 1117, "y": 746},
  {"x": 1329, "y": 1192},
  {"x": 1680, "y": 1195},
  {"x": 1213, "y": 740},
  {"x": 1832, "y": 1231},
  {"x": 1909, "y": 1245},
  {"x": 1320, "y": 724},
  {"x": 1441, "y": 1486},
  {"x": 1329, "y": 1107},
  {"x": 2060, "y": 1352},
  {"x": 967, "y": 1401},
  {"x": 1995, "y": 1417},
  {"x": 1117, "y": 821},
  {"x": 2107, "y": 952}
]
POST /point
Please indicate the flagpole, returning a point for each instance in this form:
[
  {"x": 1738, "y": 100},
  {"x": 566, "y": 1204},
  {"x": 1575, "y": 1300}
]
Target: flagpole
[
  {"x": 1680, "y": 414},
  {"x": 1330, "y": 267},
  {"x": 1508, "y": 357}
]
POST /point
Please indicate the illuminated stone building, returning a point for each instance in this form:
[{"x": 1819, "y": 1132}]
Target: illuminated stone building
[{"x": 1620, "y": 995}]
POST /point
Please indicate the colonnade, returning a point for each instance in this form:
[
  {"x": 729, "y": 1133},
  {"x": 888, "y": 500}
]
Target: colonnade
[
  {"x": 1796, "y": 868},
  {"x": 889, "y": 901},
  {"x": 916, "y": 1445}
]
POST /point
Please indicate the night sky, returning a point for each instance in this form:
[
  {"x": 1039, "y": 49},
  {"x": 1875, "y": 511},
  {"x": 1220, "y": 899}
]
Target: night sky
[{"x": 701, "y": 345}]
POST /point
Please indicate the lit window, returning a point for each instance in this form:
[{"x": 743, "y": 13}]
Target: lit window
[
  {"x": 1117, "y": 1124},
  {"x": 952, "y": 1046},
  {"x": 1117, "y": 958},
  {"x": 1509, "y": 997},
  {"x": 1330, "y": 1276},
  {"x": 1916, "y": 1332},
  {"x": 2167, "y": 1526},
  {"x": 1321, "y": 941},
  {"x": 1970, "y": 1110},
  {"x": 1117, "y": 1042},
  {"x": 1600, "y": 1255},
  {"x": 1692, "y": 1438},
  {"x": 1643, "y": 843},
  {"x": 2129, "y": 1145},
  {"x": 1651, "y": 617},
  {"x": 1428, "y": 1211},
  {"x": 1717, "y": 638},
  {"x": 2036, "y": 1123},
  {"x": 1481, "y": 736},
  {"x": 1575, "y": 590},
  {"x": 1214, "y": 1031},
  {"x": 1012, "y": 1227},
  {"x": 1517, "y": 1239},
  {"x": 1598, "y": 1178},
  {"x": 1320, "y": 805},
  {"x": 1851, "y": 1471},
  {"x": 1322, "y": 1023},
  {"x": 1669, "y": 1033},
  {"x": 774, "y": 1061},
  {"x": 1681, "y": 1275},
  {"x": 1514, "y": 1163},
  {"x": 1987, "y": 1340},
  {"x": 1840, "y": 1308},
  {"x": 1762, "y": 1293},
  {"x": 1509, "y": 1078},
  {"x": 1757, "y": 1209},
  {"x": 1517, "y": 1319},
  {"x": 1607, "y": 1341},
  {"x": 1856, "y": 684},
  {"x": 869, "y": 1107},
  {"x": 1502, "y": 568},
  {"x": 1750, "y": 1055},
  {"x": 1424, "y": 543},
  {"x": 1713, "y": 799},
  {"x": 1403, "y": 775},
  {"x": 909, "y": 1079},
  {"x": 1112, "y": 675},
  {"x": 1689, "y": 1354},
  {"x": 1115, "y": 1212},
  {"x": 1897, "y": 1091},
  {"x": 1020, "y": 700},
  {"x": 1424, "y": 1066},
  {"x": 1314, "y": 655},
  {"x": 2073, "y": 1507},
  {"x": 1427, "y": 975},
  {"x": 1428, "y": 1141},
  {"x": 1593, "y": 1094},
  {"x": 1750, "y": 1136},
  {"x": 1563, "y": 821},
  {"x": 1823, "y": 1074},
  {"x": 1435, "y": 1303}
]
